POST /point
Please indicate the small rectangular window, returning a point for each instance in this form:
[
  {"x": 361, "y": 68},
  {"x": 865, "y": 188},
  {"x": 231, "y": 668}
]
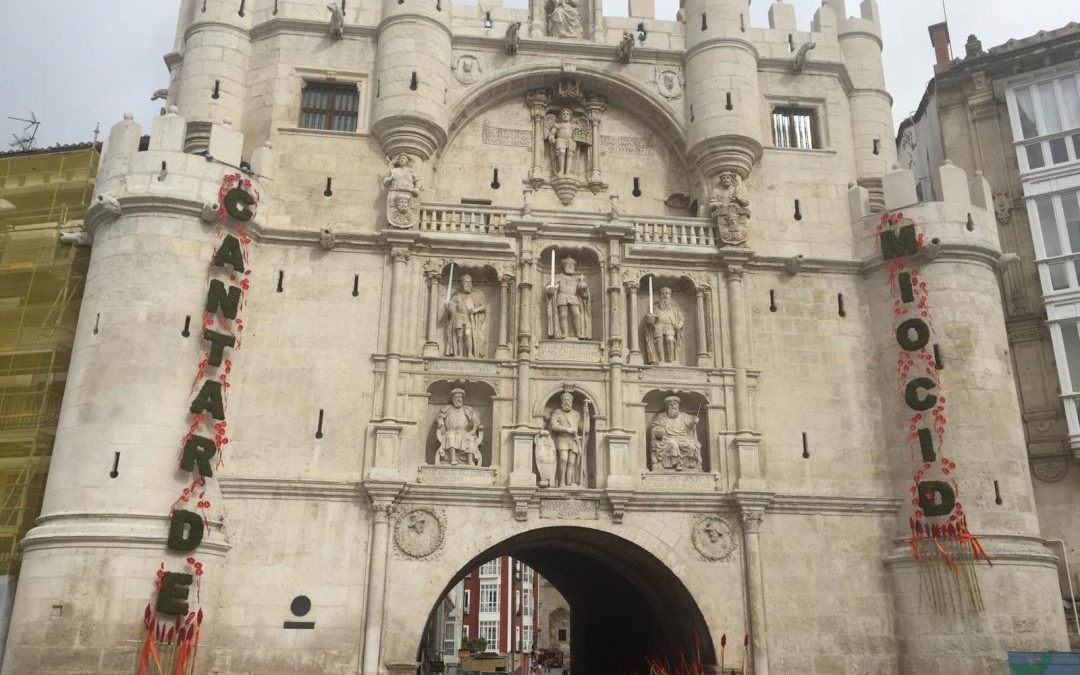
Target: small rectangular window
[
  {"x": 562, "y": 635},
  {"x": 794, "y": 128},
  {"x": 332, "y": 107}
]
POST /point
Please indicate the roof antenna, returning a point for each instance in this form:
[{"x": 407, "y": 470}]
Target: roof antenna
[
  {"x": 945, "y": 13},
  {"x": 97, "y": 131},
  {"x": 24, "y": 142}
]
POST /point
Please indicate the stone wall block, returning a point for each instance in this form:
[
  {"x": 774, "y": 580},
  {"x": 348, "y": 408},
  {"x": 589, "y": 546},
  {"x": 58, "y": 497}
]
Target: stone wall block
[
  {"x": 782, "y": 16},
  {"x": 899, "y": 186},
  {"x": 953, "y": 183},
  {"x": 168, "y": 132}
]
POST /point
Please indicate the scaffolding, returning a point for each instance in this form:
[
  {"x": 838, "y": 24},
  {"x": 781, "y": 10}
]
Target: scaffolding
[{"x": 41, "y": 287}]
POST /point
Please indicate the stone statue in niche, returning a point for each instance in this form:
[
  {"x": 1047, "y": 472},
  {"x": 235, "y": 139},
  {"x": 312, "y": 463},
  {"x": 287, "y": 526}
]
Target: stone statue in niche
[
  {"x": 337, "y": 21},
  {"x": 569, "y": 430},
  {"x": 563, "y": 134},
  {"x": 403, "y": 194},
  {"x": 730, "y": 207},
  {"x": 459, "y": 431},
  {"x": 465, "y": 315},
  {"x": 664, "y": 327},
  {"x": 563, "y": 18},
  {"x": 673, "y": 439},
  {"x": 569, "y": 310}
]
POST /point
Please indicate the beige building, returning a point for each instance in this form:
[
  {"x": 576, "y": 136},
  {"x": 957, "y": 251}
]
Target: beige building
[
  {"x": 396, "y": 288},
  {"x": 1012, "y": 112}
]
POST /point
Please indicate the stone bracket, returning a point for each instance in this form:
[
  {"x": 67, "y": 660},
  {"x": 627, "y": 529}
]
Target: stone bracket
[{"x": 522, "y": 495}]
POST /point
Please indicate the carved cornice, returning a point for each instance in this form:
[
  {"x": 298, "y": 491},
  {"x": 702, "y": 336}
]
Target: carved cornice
[{"x": 236, "y": 487}]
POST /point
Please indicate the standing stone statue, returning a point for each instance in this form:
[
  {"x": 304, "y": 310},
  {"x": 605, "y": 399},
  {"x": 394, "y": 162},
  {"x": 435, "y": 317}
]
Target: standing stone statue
[
  {"x": 730, "y": 206},
  {"x": 664, "y": 325},
  {"x": 403, "y": 195},
  {"x": 570, "y": 431},
  {"x": 459, "y": 431},
  {"x": 563, "y": 18},
  {"x": 625, "y": 51},
  {"x": 337, "y": 21},
  {"x": 512, "y": 38},
  {"x": 675, "y": 445},
  {"x": 569, "y": 312},
  {"x": 563, "y": 133},
  {"x": 465, "y": 314}
]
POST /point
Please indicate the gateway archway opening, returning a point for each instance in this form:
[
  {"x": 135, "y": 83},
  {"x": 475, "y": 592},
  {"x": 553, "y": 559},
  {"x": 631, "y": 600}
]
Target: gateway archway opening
[{"x": 625, "y": 605}]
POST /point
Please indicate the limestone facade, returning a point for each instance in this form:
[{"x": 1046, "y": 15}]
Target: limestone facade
[{"x": 784, "y": 517}]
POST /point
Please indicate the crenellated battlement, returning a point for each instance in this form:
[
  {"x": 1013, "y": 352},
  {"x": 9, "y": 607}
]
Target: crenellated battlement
[
  {"x": 163, "y": 170},
  {"x": 963, "y": 217}
]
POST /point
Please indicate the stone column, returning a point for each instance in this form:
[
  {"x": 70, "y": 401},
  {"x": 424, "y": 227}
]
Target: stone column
[
  {"x": 710, "y": 344},
  {"x": 736, "y": 316},
  {"x": 502, "y": 351},
  {"x": 431, "y": 345},
  {"x": 381, "y": 508},
  {"x": 634, "y": 351},
  {"x": 537, "y": 102},
  {"x": 702, "y": 329},
  {"x": 755, "y": 591},
  {"x": 596, "y": 107},
  {"x": 400, "y": 258}
]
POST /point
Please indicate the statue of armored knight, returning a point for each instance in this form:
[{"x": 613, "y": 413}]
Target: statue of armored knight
[{"x": 403, "y": 194}]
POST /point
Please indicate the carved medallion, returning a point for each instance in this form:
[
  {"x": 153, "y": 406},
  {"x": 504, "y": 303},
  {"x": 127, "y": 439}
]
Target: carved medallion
[
  {"x": 669, "y": 82},
  {"x": 420, "y": 532},
  {"x": 1050, "y": 471},
  {"x": 467, "y": 69},
  {"x": 712, "y": 538}
]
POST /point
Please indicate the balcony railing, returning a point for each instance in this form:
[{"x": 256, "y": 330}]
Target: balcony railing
[
  {"x": 457, "y": 219},
  {"x": 675, "y": 232}
]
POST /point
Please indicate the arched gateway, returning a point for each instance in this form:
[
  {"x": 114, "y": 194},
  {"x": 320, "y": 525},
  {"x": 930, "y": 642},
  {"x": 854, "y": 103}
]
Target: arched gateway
[
  {"x": 421, "y": 282},
  {"x": 627, "y": 605}
]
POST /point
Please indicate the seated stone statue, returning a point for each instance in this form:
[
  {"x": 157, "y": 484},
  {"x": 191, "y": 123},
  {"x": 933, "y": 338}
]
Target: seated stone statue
[
  {"x": 673, "y": 435},
  {"x": 459, "y": 431}
]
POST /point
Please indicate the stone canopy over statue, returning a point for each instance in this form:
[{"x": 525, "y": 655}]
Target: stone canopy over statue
[
  {"x": 569, "y": 310},
  {"x": 403, "y": 193},
  {"x": 459, "y": 431},
  {"x": 465, "y": 317},
  {"x": 673, "y": 439}
]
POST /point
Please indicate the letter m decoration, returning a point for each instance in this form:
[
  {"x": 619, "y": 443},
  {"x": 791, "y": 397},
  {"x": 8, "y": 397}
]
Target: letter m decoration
[{"x": 900, "y": 243}]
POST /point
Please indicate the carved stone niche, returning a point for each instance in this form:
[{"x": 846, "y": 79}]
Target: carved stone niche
[
  {"x": 675, "y": 443},
  {"x": 571, "y": 299},
  {"x": 466, "y": 311},
  {"x": 565, "y": 451},
  {"x": 459, "y": 436},
  {"x": 667, "y": 330},
  {"x": 566, "y": 139}
]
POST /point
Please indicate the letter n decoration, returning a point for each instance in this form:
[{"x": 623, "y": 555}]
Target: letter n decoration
[
  {"x": 174, "y": 620},
  {"x": 942, "y": 545}
]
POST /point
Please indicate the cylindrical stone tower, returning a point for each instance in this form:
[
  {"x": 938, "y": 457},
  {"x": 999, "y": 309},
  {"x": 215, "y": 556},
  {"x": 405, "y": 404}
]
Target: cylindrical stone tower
[
  {"x": 209, "y": 68},
  {"x": 965, "y": 335},
  {"x": 412, "y": 77},
  {"x": 871, "y": 105},
  {"x": 91, "y": 559},
  {"x": 723, "y": 100}
]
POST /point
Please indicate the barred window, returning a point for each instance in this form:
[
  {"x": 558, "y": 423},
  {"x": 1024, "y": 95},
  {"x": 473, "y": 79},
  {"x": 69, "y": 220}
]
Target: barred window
[
  {"x": 794, "y": 128},
  {"x": 332, "y": 107}
]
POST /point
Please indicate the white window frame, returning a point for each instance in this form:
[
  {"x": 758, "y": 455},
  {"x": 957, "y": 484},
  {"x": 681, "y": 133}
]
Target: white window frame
[
  {"x": 465, "y": 604},
  {"x": 1070, "y": 122},
  {"x": 1043, "y": 261},
  {"x": 487, "y": 607},
  {"x": 492, "y": 568},
  {"x": 483, "y": 629}
]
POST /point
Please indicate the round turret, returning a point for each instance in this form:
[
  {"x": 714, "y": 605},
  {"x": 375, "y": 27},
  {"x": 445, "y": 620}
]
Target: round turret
[
  {"x": 411, "y": 76},
  {"x": 723, "y": 108},
  {"x": 209, "y": 76}
]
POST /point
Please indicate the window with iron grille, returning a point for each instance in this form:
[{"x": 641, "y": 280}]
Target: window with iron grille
[
  {"x": 332, "y": 107},
  {"x": 794, "y": 128}
]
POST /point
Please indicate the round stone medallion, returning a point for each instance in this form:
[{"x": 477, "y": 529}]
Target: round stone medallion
[
  {"x": 419, "y": 532},
  {"x": 712, "y": 538}
]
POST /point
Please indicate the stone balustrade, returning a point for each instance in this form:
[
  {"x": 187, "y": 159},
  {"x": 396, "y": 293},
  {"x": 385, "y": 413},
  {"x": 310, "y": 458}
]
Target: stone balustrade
[
  {"x": 456, "y": 219},
  {"x": 675, "y": 232}
]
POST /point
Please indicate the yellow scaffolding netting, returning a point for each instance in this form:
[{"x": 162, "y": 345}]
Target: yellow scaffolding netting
[{"x": 41, "y": 287}]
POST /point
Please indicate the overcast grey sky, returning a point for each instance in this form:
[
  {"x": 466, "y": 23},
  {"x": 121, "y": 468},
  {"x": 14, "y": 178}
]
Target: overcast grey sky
[{"x": 76, "y": 63}]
